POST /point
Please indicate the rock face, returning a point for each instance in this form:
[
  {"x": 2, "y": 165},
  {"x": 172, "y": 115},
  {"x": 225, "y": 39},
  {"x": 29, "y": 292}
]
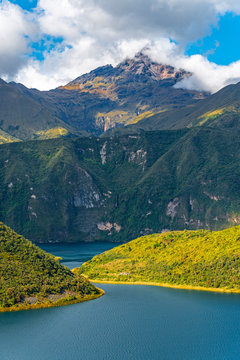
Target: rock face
[
  {"x": 116, "y": 188},
  {"x": 138, "y": 68},
  {"x": 141, "y": 65}
]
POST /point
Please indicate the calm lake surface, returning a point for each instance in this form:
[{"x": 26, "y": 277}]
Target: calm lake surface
[{"x": 129, "y": 322}]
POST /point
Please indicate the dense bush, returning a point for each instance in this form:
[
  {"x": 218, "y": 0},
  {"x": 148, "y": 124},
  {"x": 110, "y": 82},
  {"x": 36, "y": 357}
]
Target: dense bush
[
  {"x": 26, "y": 270},
  {"x": 193, "y": 258}
]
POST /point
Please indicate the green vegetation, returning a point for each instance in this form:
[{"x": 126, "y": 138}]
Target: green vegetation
[
  {"x": 220, "y": 110},
  {"x": 185, "y": 258},
  {"x": 32, "y": 278},
  {"x": 54, "y": 133},
  {"x": 121, "y": 186},
  {"x": 22, "y": 114},
  {"x": 6, "y": 138}
]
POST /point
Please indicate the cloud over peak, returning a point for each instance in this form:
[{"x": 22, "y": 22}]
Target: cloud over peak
[{"x": 82, "y": 35}]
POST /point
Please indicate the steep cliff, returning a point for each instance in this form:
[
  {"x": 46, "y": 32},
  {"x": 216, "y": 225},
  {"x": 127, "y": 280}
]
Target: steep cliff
[{"x": 118, "y": 187}]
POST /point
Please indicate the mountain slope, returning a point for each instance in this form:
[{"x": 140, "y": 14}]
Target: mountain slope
[
  {"x": 7, "y": 138},
  {"x": 189, "y": 259},
  {"x": 120, "y": 187},
  {"x": 194, "y": 184},
  {"x": 21, "y": 115},
  {"x": 221, "y": 110},
  {"x": 31, "y": 278}
]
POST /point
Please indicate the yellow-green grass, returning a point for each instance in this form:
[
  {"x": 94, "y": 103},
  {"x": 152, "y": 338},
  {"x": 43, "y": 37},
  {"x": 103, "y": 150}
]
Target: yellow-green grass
[
  {"x": 200, "y": 260},
  {"x": 180, "y": 287},
  {"x": 141, "y": 116},
  {"x": 123, "y": 117},
  {"x": 52, "y": 133},
  {"x": 210, "y": 115},
  {"x": 46, "y": 303},
  {"x": 7, "y": 138}
]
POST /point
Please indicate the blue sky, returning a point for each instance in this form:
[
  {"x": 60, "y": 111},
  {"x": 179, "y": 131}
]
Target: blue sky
[
  {"x": 46, "y": 43},
  {"x": 25, "y": 4},
  {"x": 222, "y": 46}
]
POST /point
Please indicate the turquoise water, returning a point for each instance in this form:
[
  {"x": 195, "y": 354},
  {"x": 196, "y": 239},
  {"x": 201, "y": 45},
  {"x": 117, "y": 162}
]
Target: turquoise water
[
  {"x": 74, "y": 255},
  {"x": 129, "y": 322}
]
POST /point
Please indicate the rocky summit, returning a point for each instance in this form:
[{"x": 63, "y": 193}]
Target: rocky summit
[{"x": 135, "y": 89}]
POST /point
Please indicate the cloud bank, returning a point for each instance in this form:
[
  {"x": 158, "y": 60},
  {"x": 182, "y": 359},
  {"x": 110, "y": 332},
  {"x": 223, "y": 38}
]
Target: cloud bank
[
  {"x": 15, "y": 25},
  {"x": 206, "y": 76},
  {"x": 98, "y": 32}
]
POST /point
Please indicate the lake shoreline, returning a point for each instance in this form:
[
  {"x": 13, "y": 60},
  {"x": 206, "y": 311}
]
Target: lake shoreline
[
  {"x": 180, "y": 287},
  {"x": 49, "y": 304}
]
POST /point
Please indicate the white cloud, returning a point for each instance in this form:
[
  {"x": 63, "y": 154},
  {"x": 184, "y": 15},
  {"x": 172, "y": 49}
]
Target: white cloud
[
  {"x": 116, "y": 20},
  {"x": 98, "y": 32},
  {"x": 222, "y": 6},
  {"x": 86, "y": 54},
  {"x": 15, "y": 26},
  {"x": 207, "y": 75}
]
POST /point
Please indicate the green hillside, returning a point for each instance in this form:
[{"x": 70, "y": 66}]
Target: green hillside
[
  {"x": 220, "y": 110},
  {"x": 120, "y": 187},
  {"x": 7, "y": 138},
  {"x": 183, "y": 258},
  {"x": 32, "y": 278},
  {"x": 21, "y": 114},
  {"x": 70, "y": 189}
]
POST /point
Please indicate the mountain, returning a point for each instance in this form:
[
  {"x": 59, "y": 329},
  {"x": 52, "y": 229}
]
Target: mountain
[
  {"x": 185, "y": 259},
  {"x": 138, "y": 92},
  {"x": 220, "y": 110},
  {"x": 21, "y": 115},
  {"x": 134, "y": 89},
  {"x": 32, "y": 278},
  {"x": 118, "y": 187},
  {"x": 107, "y": 97}
]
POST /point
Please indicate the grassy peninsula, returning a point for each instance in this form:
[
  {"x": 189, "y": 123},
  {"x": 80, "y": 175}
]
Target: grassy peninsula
[
  {"x": 201, "y": 259},
  {"x": 30, "y": 278}
]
